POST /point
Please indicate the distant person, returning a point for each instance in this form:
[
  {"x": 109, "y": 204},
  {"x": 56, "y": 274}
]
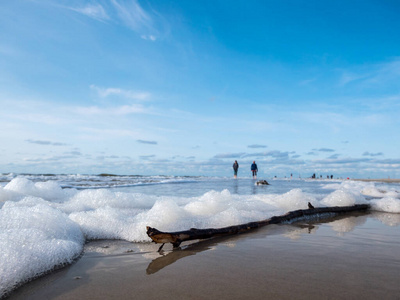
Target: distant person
[
  {"x": 254, "y": 170},
  {"x": 235, "y": 169}
]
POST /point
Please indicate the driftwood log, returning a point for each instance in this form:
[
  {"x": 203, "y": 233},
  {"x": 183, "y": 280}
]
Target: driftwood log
[{"x": 176, "y": 238}]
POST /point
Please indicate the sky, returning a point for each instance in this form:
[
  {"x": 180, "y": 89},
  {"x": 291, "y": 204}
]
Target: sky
[{"x": 188, "y": 87}]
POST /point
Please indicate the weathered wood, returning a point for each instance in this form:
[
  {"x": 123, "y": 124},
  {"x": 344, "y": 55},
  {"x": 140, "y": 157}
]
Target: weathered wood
[{"x": 176, "y": 238}]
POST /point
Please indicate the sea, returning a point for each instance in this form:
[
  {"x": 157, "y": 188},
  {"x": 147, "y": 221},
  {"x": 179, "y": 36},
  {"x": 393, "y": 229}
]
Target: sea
[{"x": 45, "y": 219}]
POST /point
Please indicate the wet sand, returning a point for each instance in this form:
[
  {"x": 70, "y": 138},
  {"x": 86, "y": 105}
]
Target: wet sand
[{"x": 355, "y": 257}]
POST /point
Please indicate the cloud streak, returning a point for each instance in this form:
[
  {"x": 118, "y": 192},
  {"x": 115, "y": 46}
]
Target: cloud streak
[
  {"x": 94, "y": 11},
  {"x": 45, "y": 143},
  {"x": 229, "y": 155},
  {"x": 136, "y": 18},
  {"x": 147, "y": 142},
  {"x": 116, "y": 111},
  {"x": 256, "y": 146},
  {"x": 129, "y": 13},
  {"x": 129, "y": 94},
  {"x": 366, "y": 153},
  {"x": 373, "y": 75},
  {"x": 324, "y": 150}
]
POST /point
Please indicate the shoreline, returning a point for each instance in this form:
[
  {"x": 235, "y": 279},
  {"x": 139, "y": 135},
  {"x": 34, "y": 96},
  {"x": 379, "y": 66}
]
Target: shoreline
[
  {"x": 348, "y": 257},
  {"x": 385, "y": 180}
]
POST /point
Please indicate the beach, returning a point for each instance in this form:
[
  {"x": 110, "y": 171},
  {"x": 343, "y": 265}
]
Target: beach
[
  {"x": 84, "y": 236},
  {"x": 349, "y": 257}
]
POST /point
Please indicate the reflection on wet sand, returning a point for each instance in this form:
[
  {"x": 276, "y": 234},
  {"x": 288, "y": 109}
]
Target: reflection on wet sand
[{"x": 388, "y": 219}]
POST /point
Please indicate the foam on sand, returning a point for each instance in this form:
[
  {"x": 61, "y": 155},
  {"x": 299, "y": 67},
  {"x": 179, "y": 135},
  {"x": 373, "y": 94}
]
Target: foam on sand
[{"x": 34, "y": 238}]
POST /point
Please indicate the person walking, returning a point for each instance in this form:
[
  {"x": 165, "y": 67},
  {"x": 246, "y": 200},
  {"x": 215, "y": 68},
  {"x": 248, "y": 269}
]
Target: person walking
[
  {"x": 235, "y": 169},
  {"x": 254, "y": 170}
]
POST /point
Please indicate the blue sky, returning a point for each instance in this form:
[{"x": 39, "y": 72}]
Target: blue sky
[{"x": 187, "y": 87}]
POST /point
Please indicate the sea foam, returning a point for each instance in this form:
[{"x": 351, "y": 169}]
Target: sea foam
[{"x": 34, "y": 238}]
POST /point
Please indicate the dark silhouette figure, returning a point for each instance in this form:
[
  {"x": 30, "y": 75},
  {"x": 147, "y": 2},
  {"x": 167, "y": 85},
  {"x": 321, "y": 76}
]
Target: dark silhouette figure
[
  {"x": 254, "y": 170},
  {"x": 310, "y": 206}
]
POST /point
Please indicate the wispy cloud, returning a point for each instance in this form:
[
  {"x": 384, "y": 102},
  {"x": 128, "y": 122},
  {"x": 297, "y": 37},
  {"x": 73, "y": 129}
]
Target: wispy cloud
[
  {"x": 147, "y": 157},
  {"x": 256, "y": 146},
  {"x": 94, "y": 11},
  {"x": 147, "y": 142},
  {"x": 341, "y": 161},
  {"x": 324, "y": 150},
  {"x": 47, "y": 143},
  {"x": 119, "y": 110},
  {"x": 372, "y": 75},
  {"x": 129, "y": 13},
  {"x": 366, "y": 153},
  {"x": 274, "y": 153},
  {"x": 148, "y": 37},
  {"x": 76, "y": 153},
  {"x": 111, "y": 91},
  {"x": 229, "y": 155},
  {"x": 135, "y": 18}
]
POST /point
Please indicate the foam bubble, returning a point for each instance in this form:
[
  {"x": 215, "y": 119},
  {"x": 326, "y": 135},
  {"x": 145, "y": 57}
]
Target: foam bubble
[
  {"x": 210, "y": 203},
  {"x": 294, "y": 199},
  {"x": 48, "y": 190},
  {"x": 34, "y": 238},
  {"x": 343, "y": 198},
  {"x": 387, "y": 204},
  {"x": 87, "y": 200}
]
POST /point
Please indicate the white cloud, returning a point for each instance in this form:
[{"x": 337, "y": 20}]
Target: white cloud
[
  {"x": 129, "y": 13},
  {"x": 94, "y": 11},
  {"x": 133, "y": 15},
  {"x": 119, "y": 110},
  {"x": 41, "y": 142},
  {"x": 129, "y": 94},
  {"x": 149, "y": 37}
]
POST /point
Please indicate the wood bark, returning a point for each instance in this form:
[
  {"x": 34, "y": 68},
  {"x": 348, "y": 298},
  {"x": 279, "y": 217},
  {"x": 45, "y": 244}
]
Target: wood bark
[{"x": 176, "y": 238}]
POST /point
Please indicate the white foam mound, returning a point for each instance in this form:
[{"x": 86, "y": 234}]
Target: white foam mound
[
  {"x": 34, "y": 238},
  {"x": 18, "y": 188},
  {"x": 387, "y": 204},
  {"x": 294, "y": 199},
  {"x": 343, "y": 198}
]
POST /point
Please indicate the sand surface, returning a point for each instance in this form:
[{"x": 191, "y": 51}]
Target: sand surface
[{"x": 356, "y": 257}]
